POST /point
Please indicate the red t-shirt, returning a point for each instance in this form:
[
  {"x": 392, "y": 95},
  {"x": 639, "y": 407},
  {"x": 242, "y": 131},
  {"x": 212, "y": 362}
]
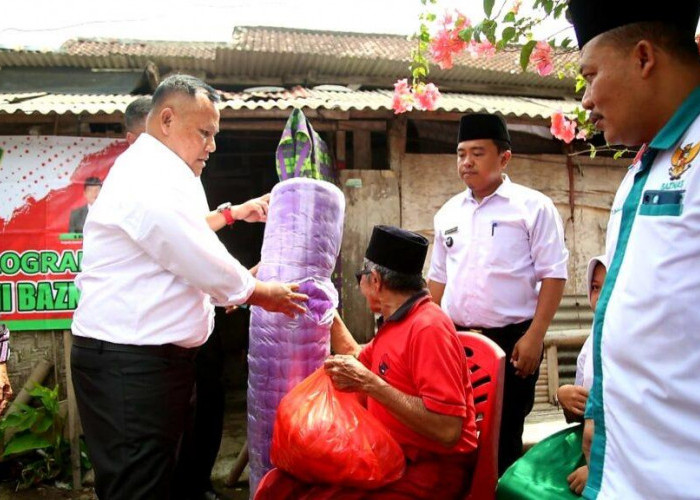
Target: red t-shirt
[{"x": 416, "y": 350}]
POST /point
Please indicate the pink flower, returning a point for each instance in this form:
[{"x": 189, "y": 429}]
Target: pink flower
[
  {"x": 516, "y": 7},
  {"x": 481, "y": 49},
  {"x": 542, "y": 57},
  {"x": 446, "y": 41},
  {"x": 426, "y": 96},
  {"x": 562, "y": 128},
  {"x": 582, "y": 134},
  {"x": 403, "y": 98}
]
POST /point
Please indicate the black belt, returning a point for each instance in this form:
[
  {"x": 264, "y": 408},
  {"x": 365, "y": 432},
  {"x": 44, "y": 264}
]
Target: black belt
[
  {"x": 163, "y": 351},
  {"x": 515, "y": 328}
]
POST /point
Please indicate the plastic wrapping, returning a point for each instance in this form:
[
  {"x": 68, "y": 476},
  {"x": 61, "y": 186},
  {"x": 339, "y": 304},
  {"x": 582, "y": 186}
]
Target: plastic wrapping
[
  {"x": 301, "y": 244},
  {"x": 326, "y": 436}
]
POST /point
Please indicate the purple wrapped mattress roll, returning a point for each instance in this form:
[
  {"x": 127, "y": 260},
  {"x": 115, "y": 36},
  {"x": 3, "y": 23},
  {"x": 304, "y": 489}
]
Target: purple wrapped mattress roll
[{"x": 302, "y": 240}]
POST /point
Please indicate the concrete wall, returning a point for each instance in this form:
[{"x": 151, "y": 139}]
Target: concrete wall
[{"x": 428, "y": 181}]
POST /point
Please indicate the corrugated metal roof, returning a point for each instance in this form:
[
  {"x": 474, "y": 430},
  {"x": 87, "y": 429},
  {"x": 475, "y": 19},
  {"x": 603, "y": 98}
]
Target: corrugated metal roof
[
  {"x": 295, "y": 56},
  {"x": 298, "y": 97}
]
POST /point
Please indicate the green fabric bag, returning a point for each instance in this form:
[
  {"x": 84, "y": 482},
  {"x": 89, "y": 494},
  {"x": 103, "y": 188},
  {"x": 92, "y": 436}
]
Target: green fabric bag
[
  {"x": 541, "y": 473},
  {"x": 302, "y": 153}
]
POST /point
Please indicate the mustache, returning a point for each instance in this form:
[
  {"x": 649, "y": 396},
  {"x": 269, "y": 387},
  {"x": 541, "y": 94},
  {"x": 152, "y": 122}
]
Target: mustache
[{"x": 594, "y": 117}]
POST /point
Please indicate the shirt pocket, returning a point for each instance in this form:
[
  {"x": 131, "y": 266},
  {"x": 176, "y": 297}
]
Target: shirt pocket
[
  {"x": 507, "y": 241},
  {"x": 662, "y": 203}
]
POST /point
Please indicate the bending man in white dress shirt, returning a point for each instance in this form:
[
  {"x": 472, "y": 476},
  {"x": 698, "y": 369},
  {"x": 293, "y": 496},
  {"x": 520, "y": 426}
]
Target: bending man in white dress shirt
[
  {"x": 151, "y": 271},
  {"x": 499, "y": 265}
]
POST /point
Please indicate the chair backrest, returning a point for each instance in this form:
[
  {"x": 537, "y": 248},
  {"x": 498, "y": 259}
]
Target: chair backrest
[{"x": 487, "y": 366}]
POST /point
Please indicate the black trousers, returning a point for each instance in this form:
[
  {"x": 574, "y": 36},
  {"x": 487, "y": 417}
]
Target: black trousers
[
  {"x": 202, "y": 438},
  {"x": 134, "y": 402},
  {"x": 518, "y": 394}
]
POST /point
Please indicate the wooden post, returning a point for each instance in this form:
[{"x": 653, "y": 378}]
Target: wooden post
[
  {"x": 238, "y": 466},
  {"x": 396, "y": 141},
  {"x": 73, "y": 418},
  {"x": 362, "y": 150},
  {"x": 552, "y": 372}
]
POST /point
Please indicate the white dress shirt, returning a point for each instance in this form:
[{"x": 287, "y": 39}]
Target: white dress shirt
[
  {"x": 492, "y": 255},
  {"x": 151, "y": 265}
]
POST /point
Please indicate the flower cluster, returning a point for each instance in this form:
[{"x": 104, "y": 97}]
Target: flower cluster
[
  {"x": 422, "y": 97},
  {"x": 541, "y": 57},
  {"x": 564, "y": 129},
  {"x": 447, "y": 41}
]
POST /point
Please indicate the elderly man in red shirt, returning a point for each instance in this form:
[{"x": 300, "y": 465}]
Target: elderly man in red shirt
[{"x": 413, "y": 374}]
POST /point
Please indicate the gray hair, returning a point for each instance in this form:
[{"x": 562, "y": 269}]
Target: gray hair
[{"x": 395, "y": 281}]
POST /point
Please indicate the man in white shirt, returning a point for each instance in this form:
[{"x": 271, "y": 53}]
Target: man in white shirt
[
  {"x": 642, "y": 69},
  {"x": 151, "y": 269},
  {"x": 499, "y": 265}
]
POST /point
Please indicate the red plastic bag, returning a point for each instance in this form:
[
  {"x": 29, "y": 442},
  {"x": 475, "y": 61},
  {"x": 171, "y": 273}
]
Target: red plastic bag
[{"x": 326, "y": 436}]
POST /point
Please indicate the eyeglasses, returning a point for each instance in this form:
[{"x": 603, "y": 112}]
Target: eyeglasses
[{"x": 359, "y": 274}]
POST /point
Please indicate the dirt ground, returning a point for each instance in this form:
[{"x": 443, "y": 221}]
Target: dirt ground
[{"x": 231, "y": 443}]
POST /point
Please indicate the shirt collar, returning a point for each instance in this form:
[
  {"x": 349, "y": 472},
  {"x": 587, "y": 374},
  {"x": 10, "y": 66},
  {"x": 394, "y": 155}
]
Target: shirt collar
[
  {"x": 504, "y": 190},
  {"x": 404, "y": 308},
  {"x": 155, "y": 145},
  {"x": 679, "y": 122}
]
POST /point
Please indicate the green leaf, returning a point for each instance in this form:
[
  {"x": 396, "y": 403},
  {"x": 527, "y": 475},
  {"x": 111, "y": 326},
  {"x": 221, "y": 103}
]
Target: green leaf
[
  {"x": 525, "y": 53},
  {"x": 466, "y": 34},
  {"x": 593, "y": 151},
  {"x": 548, "y": 6},
  {"x": 508, "y": 34},
  {"x": 558, "y": 10},
  {"x": 618, "y": 154},
  {"x": 21, "y": 443},
  {"x": 565, "y": 42},
  {"x": 509, "y": 18},
  {"x": 580, "y": 82},
  {"x": 488, "y": 7}
]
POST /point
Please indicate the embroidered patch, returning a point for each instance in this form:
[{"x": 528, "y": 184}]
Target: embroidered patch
[
  {"x": 452, "y": 230},
  {"x": 449, "y": 242},
  {"x": 680, "y": 161},
  {"x": 383, "y": 364}
]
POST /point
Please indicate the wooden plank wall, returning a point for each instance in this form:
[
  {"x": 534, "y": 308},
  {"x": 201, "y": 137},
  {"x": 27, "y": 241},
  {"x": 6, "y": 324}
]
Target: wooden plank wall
[{"x": 371, "y": 197}]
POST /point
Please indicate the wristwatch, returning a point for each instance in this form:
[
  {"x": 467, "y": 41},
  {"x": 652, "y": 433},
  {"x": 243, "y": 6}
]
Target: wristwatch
[{"x": 225, "y": 210}]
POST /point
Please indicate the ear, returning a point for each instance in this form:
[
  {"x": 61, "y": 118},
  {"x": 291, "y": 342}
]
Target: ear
[
  {"x": 645, "y": 56},
  {"x": 375, "y": 280},
  {"x": 505, "y": 158},
  {"x": 165, "y": 120},
  {"x": 130, "y": 137}
]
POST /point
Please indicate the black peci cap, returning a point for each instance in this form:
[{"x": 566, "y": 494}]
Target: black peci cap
[
  {"x": 593, "y": 17},
  {"x": 397, "y": 249},
  {"x": 482, "y": 126}
]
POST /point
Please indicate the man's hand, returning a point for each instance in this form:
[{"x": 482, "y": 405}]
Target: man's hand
[
  {"x": 347, "y": 373},
  {"x": 526, "y": 354},
  {"x": 254, "y": 210},
  {"x": 577, "y": 479},
  {"x": 5, "y": 388},
  {"x": 278, "y": 297},
  {"x": 573, "y": 398}
]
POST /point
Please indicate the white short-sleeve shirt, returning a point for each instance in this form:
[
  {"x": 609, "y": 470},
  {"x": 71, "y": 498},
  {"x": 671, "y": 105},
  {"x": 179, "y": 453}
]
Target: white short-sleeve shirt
[{"x": 492, "y": 255}]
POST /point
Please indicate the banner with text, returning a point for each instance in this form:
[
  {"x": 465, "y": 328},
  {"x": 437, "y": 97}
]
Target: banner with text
[{"x": 47, "y": 185}]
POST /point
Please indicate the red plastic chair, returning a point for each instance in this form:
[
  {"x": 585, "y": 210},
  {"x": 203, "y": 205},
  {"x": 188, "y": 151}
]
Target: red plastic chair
[{"x": 487, "y": 365}]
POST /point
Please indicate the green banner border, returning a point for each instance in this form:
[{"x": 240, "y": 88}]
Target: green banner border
[{"x": 18, "y": 325}]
